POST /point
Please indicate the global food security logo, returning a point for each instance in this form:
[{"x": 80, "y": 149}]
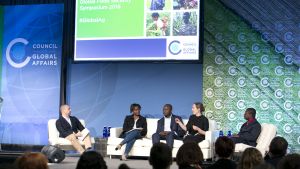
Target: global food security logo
[{"x": 20, "y": 52}]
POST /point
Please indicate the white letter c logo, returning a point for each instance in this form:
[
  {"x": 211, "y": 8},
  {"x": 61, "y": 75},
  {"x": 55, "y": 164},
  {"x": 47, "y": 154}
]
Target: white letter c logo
[{"x": 9, "y": 60}]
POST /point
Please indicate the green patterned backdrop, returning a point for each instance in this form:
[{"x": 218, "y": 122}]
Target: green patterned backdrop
[{"x": 242, "y": 70}]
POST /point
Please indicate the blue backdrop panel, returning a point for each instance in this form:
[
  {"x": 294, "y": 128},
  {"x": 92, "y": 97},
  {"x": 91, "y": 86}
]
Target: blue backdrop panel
[
  {"x": 31, "y": 72},
  {"x": 101, "y": 93}
]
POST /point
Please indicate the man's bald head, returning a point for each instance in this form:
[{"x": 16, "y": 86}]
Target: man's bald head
[{"x": 65, "y": 110}]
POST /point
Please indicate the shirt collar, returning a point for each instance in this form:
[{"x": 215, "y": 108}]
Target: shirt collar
[
  {"x": 251, "y": 120},
  {"x": 168, "y": 117}
]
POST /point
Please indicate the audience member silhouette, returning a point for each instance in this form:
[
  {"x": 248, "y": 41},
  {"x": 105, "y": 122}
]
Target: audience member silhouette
[
  {"x": 224, "y": 148},
  {"x": 160, "y": 156},
  {"x": 32, "y": 161},
  {"x": 189, "y": 156},
  {"x": 250, "y": 158},
  {"x": 277, "y": 151},
  {"x": 291, "y": 161},
  {"x": 91, "y": 160}
]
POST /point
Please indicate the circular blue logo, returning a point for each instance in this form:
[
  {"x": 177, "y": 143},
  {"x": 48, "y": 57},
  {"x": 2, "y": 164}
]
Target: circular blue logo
[{"x": 174, "y": 47}]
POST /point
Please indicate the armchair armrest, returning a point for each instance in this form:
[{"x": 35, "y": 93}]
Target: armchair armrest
[
  {"x": 209, "y": 136},
  {"x": 52, "y": 141},
  {"x": 116, "y": 131}
]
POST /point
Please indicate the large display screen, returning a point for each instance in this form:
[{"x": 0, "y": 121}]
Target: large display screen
[{"x": 138, "y": 30}]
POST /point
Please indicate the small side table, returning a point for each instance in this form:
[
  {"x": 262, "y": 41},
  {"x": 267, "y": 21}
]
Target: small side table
[{"x": 101, "y": 146}]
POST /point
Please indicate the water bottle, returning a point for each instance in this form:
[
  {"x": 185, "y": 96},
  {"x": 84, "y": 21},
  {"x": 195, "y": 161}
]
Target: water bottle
[
  {"x": 104, "y": 132},
  {"x": 229, "y": 133},
  {"x": 108, "y": 131},
  {"x": 221, "y": 133}
]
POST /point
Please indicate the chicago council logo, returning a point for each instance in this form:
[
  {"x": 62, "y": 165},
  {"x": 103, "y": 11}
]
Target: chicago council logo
[
  {"x": 174, "y": 47},
  {"x": 20, "y": 52},
  {"x": 9, "y": 57}
]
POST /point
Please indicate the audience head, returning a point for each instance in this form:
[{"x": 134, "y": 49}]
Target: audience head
[
  {"x": 135, "y": 109},
  {"x": 263, "y": 166},
  {"x": 123, "y": 166},
  {"x": 250, "y": 113},
  {"x": 32, "y": 161},
  {"x": 278, "y": 146},
  {"x": 91, "y": 160},
  {"x": 65, "y": 110},
  {"x": 167, "y": 110},
  {"x": 160, "y": 156},
  {"x": 224, "y": 147},
  {"x": 250, "y": 158},
  {"x": 197, "y": 108},
  {"x": 189, "y": 154},
  {"x": 291, "y": 161}
]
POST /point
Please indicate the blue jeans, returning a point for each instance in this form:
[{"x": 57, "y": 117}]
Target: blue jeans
[{"x": 129, "y": 140}]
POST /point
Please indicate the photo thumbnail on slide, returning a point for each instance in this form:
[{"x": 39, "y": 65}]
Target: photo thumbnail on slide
[{"x": 138, "y": 30}]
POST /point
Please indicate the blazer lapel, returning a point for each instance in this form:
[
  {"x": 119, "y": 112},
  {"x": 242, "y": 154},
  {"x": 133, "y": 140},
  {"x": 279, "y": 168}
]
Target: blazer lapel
[
  {"x": 172, "y": 123},
  {"x": 66, "y": 123}
]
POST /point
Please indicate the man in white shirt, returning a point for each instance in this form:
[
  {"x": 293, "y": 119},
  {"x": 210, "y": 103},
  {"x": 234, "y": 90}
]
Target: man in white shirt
[
  {"x": 167, "y": 128},
  {"x": 70, "y": 128}
]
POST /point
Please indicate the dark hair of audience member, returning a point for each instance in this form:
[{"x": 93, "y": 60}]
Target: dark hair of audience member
[
  {"x": 263, "y": 166},
  {"x": 189, "y": 154},
  {"x": 91, "y": 160},
  {"x": 250, "y": 158},
  {"x": 290, "y": 161},
  {"x": 32, "y": 161},
  {"x": 123, "y": 166},
  {"x": 278, "y": 146},
  {"x": 224, "y": 147},
  {"x": 160, "y": 156}
]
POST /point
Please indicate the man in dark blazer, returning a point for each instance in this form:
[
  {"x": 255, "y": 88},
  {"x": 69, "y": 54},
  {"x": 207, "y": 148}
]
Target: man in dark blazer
[
  {"x": 250, "y": 130},
  {"x": 70, "y": 128},
  {"x": 167, "y": 128}
]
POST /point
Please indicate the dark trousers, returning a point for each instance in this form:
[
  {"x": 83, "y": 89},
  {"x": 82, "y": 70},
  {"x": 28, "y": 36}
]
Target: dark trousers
[
  {"x": 156, "y": 137},
  {"x": 193, "y": 138}
]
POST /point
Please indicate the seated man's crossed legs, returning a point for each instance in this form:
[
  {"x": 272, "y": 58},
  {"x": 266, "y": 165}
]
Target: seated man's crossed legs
[{"x": 76, "y": 144}]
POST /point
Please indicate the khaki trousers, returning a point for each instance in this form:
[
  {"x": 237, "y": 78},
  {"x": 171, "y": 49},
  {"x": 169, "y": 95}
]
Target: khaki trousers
[{"x": 75, "y": 142}]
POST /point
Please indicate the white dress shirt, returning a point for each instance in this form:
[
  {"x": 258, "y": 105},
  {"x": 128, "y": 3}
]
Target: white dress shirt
[{"x": 167, "y": 126}]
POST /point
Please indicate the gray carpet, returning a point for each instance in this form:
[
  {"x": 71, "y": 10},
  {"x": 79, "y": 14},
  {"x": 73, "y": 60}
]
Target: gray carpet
[{"x": 71, "y": 162}]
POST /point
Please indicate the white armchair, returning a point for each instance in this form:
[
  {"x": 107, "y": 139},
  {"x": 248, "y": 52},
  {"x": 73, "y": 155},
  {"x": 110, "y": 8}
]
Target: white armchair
[
  {"x": 268, "y": 132},
  {"x": 55, "y": 140},
  {"x": 142, "y": 146}
]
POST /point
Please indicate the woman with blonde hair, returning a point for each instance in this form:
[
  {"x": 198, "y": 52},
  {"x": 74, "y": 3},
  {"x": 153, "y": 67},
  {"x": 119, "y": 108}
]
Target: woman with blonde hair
[
  {"x": 251, "y": 157},
  {"x": 32, "y": 161}
]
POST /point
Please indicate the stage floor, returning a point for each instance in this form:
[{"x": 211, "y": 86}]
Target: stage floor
[{"x": 71, "y": 162}]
